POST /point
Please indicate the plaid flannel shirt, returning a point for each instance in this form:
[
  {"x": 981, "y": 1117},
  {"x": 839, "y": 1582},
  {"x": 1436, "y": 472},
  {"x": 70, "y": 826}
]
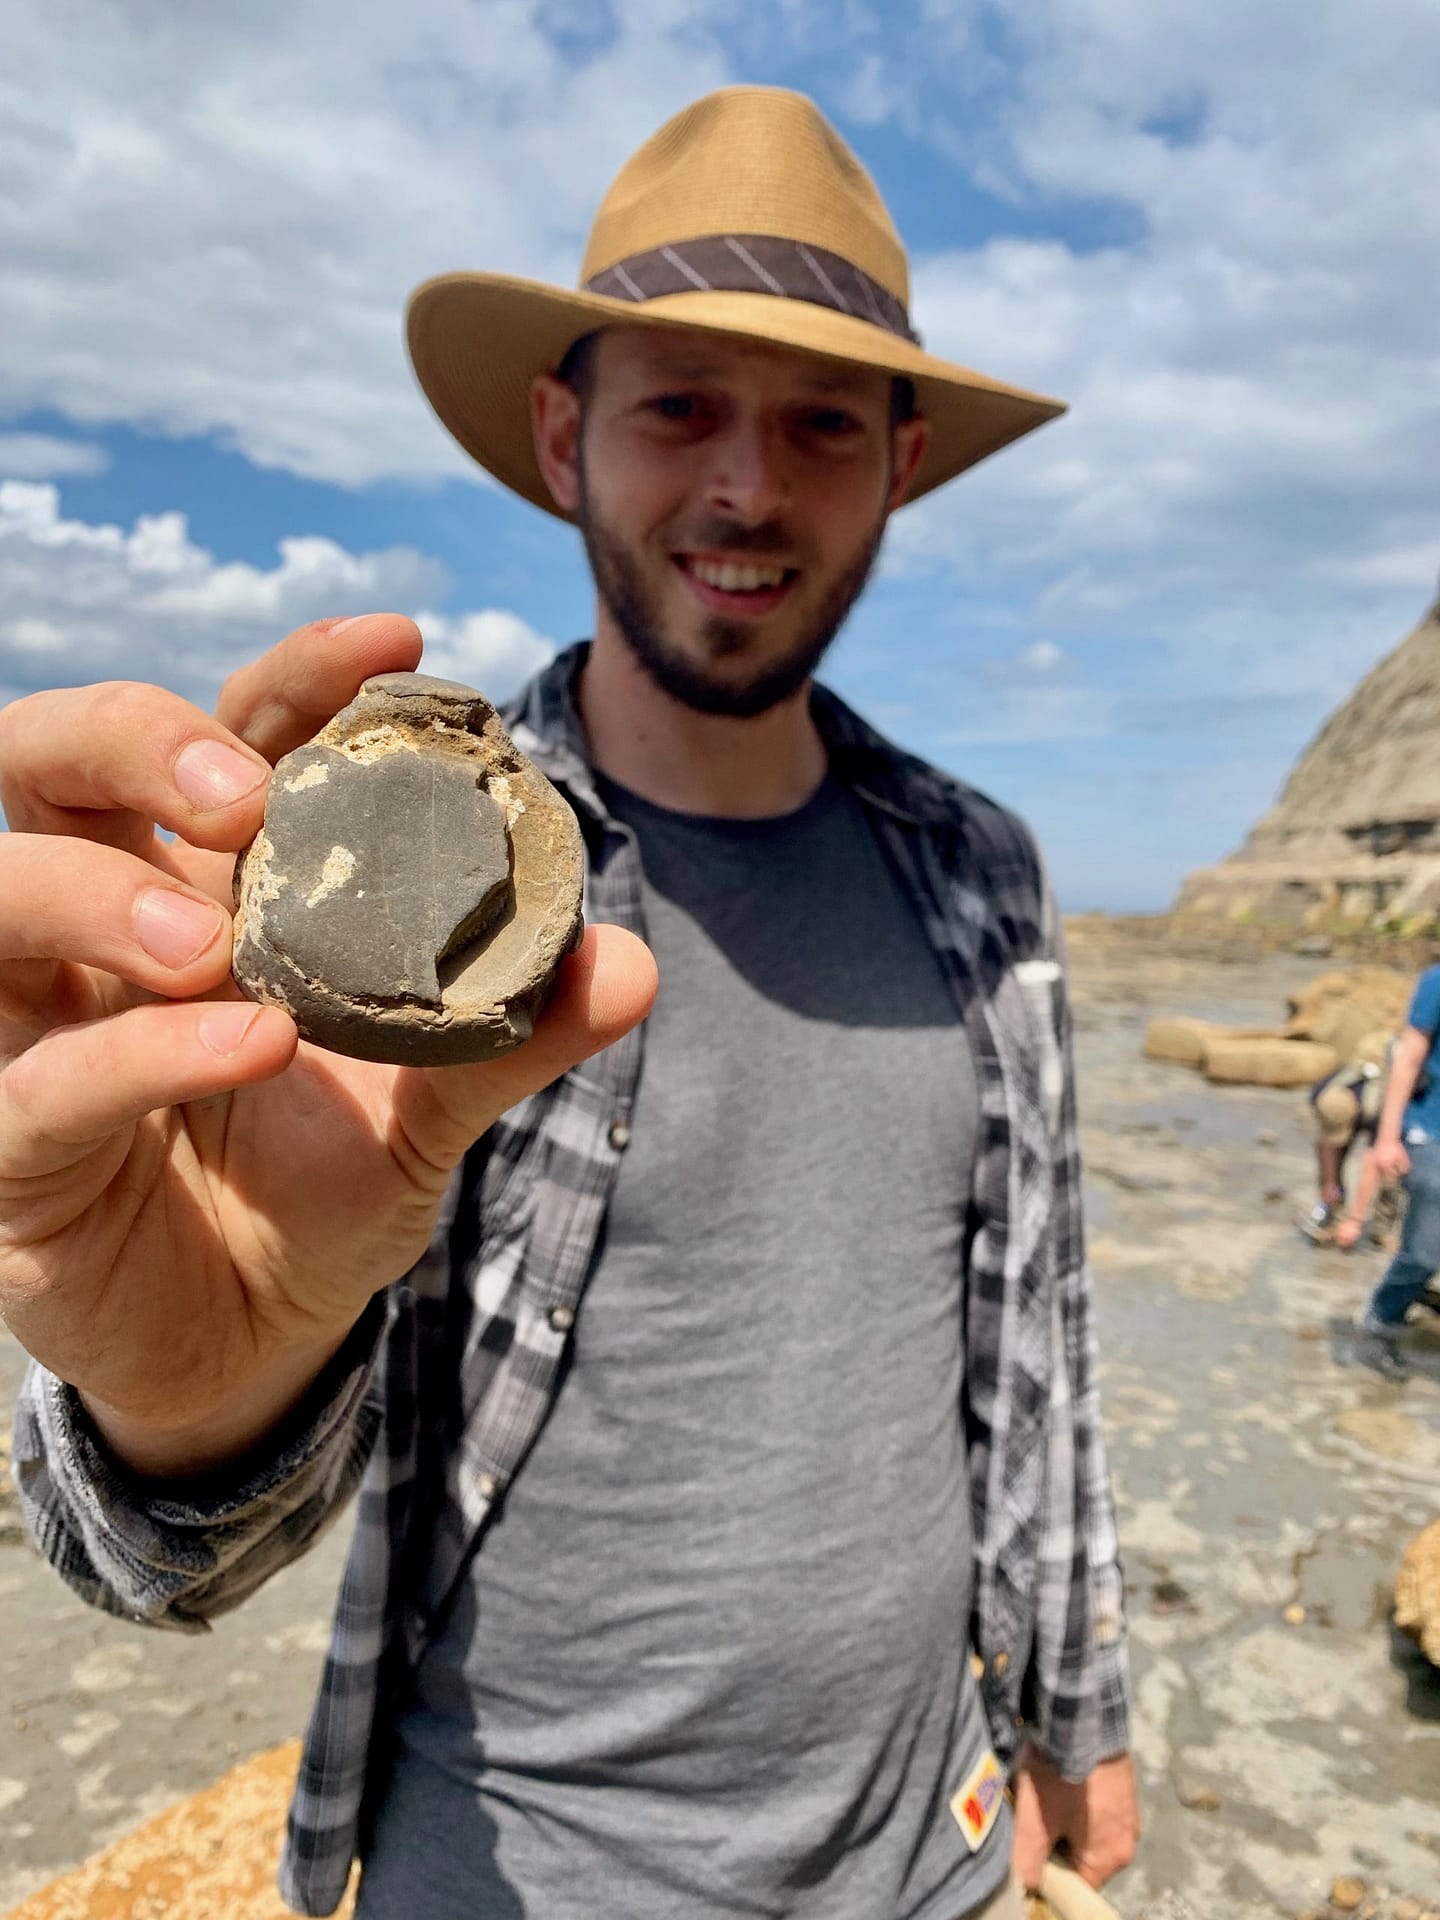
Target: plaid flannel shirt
[{"x": 433, "y": 1403}]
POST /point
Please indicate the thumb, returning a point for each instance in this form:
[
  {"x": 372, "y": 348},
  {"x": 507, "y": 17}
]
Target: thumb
[
  {"x": 1030, "y": 1848},
  {"x": 1028, "y": 1858},
  {"x": 1087, "y": 1863},
  {"x": 601, "y": 991}
]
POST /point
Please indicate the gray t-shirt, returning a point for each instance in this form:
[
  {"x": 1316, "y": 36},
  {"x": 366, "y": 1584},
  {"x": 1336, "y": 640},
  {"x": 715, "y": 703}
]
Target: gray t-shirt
[{"x": 710, "y": 1659}]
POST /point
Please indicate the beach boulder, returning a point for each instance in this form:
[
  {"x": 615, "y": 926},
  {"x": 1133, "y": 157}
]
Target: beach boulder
[
  {"x": 209, "y": 1857},
  {"x": 1417, "y": 1591},
  {"x": 1184, "y": 1041},
  {"x": 1267, "y": 1062},
  {"x": 1348, "y": 1014},
  {"x": 1343, "y": 1008}
]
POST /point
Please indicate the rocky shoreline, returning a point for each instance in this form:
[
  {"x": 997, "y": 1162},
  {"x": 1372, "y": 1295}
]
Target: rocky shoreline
[{"x": 1288, "y": 1737}]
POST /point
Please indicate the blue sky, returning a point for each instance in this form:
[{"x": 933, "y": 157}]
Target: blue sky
[{"x": 1213, "y": 230}]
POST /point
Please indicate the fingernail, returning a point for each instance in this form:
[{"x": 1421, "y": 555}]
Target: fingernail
[
  {"x": 223, "y": 1028},
  {"x": 212, "y": 775},
  {"x": 340, "y": 625},
  {"x": 174, "y": 929}
]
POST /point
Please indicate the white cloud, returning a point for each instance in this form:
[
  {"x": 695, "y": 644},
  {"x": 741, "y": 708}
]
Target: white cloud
[
  {"x": 1413, "y": 564},
  {"x": 213, "y": 229},
  {"x": 494, "y": 650},
  {"x": 1250, "y": 356},
  {"x": 1042, "y": 657},
  {"x": 81, "y": 602},
  {"x": 1219, "y": 239},
  {"x": 44, "y": 456},
  {"x": 870, "y": 97},
  {"x": 1025, "y": 667},
  {"x": 210, "y": 225}
]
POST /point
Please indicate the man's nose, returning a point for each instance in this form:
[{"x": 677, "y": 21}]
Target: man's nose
[{"x": 749, "y": 476}]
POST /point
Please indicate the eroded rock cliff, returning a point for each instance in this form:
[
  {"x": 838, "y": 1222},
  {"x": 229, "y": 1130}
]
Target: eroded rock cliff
[{"x": 1355, "y": 836}]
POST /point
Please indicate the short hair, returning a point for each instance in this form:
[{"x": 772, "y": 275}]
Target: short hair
[
  {"x": 902, "y": 400},
  {"x": 577, "y": 370}
]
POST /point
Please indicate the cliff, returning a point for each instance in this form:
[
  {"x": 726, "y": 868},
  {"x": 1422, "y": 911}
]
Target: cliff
[{"x": 1355, "y": 835}]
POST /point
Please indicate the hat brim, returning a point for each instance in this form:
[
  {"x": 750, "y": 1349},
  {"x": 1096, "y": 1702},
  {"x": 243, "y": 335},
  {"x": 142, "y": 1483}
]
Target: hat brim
[{"x": 478, "y": 340}]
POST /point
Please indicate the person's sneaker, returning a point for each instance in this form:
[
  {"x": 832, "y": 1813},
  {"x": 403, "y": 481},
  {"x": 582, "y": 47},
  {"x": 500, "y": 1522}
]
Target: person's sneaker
[
  {"x": 1318, "y": 1226},
  {"x": 1386, "y": 1359},
  {"x": 1429, "y": 1298},
  {"x": 1381, "y": 1348}
]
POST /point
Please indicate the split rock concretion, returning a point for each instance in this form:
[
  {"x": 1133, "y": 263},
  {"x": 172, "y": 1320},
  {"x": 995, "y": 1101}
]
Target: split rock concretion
[{"x": 415, "y": 884}]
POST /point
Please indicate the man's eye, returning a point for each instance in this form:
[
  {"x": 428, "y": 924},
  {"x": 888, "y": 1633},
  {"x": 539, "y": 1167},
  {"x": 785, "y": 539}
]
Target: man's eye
[
  {"x": 833, "y": 421},
  {"x": 675, "y": 406}
]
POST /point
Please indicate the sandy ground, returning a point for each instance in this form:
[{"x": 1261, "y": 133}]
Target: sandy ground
[{"x": 1255, "y": 1475}]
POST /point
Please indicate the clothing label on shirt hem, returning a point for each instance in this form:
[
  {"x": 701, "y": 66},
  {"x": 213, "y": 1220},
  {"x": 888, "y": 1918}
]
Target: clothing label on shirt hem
[{"x": 976, "y": 1805}]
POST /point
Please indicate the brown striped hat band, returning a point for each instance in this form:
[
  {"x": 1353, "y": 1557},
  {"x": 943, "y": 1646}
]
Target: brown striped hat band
[{"x": 756, "y": 263}]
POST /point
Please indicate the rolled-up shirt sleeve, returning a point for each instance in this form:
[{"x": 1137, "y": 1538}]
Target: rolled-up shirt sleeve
[{"x": 177, "y": 1553}]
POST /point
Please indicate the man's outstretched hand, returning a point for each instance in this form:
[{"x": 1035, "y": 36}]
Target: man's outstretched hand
[
  {"x": 1097, "y": 1819},
  {"x": 195, "y": 1206}
]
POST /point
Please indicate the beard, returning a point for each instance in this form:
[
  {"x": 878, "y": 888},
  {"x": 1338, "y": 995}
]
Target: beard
[{"x": 636, "y": 613}]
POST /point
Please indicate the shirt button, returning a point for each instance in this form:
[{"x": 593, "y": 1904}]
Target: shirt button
[
  {"x": 561, "y": 1318},
  {"x": 619, "y": 1136},
  {"x": 485, "y": 1486}
]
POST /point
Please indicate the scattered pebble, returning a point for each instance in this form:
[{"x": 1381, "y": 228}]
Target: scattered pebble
[
  {"x": 1407, "y": 1910},
  {"x": 1266, "y": 1137},
  {"x": 1295, "y": 1615},
  {"x": 1386, "y": 1431},
  {"x": 1199, "y": 1799},
  {"x": 1346, "y": 1894}
]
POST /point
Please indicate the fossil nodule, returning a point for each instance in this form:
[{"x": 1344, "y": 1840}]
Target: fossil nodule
[{"x": 416, "y": 882}]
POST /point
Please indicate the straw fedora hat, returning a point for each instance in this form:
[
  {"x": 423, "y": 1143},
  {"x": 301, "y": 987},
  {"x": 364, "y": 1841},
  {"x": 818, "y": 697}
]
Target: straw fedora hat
[{"x": 745, "y": 214}]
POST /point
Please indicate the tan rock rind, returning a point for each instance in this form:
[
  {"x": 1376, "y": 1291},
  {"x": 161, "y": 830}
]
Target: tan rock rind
[
  {"x": 1268, "y": 1063},
  {"x": 492, "y": 988},
  {"x": 1417, "y": 1591},
  {"x": 1183, "y": 1040}
]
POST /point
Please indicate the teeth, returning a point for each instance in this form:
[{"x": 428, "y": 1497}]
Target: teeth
[{"x": 737, "y": 579}]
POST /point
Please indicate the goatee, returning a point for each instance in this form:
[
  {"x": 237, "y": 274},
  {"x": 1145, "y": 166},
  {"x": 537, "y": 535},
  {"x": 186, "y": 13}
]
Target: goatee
[{"x": 623, "y": 592}]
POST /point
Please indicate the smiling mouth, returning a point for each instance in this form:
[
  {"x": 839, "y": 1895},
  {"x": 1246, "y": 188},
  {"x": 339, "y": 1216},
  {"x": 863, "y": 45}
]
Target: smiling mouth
[{"x": 736, "y": 580}]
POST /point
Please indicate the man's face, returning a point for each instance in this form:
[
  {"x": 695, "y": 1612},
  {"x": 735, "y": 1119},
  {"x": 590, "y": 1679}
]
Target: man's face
[{"x": 732, "y": 498}]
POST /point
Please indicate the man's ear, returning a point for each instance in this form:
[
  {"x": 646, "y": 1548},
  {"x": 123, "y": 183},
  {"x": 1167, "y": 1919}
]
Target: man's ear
[
  {"x": 911, "y": 438},
  {"x": 555, "y": 424}
]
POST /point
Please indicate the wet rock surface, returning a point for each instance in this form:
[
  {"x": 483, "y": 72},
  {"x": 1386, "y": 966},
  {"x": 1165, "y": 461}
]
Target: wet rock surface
[
  {"x": 416, "y": 882},
  {"x": 1287, "y": 1734}
]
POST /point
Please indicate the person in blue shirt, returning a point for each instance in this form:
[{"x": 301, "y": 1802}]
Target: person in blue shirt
[{"x": 1407, "y": 1146}]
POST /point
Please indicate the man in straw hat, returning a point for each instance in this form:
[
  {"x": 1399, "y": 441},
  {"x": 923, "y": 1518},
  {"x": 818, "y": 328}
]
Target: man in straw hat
[{"x": 734, "y": 1519}]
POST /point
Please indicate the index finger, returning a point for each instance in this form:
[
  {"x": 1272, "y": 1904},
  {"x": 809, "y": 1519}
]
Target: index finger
[
  {"x": 105, "y": 762},
  {"x": 283, "y": 699}
]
